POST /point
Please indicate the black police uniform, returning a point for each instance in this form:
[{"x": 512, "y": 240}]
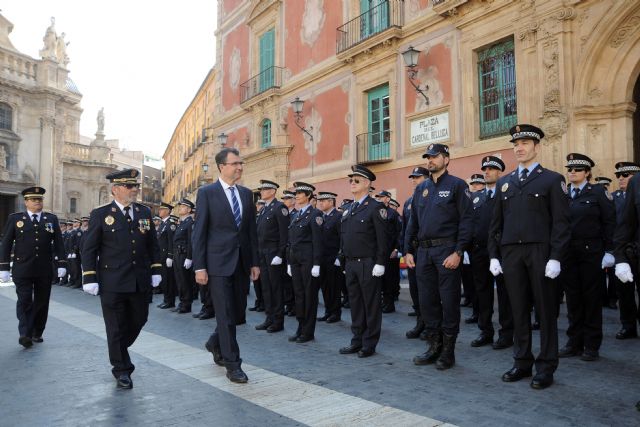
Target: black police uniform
[
  {"x": 35, "y": 245},
  {"x": 287, "y": 283},
  {"x": 272, "y": 227},
  {"x": 75, "y": 269},
  {"x": 391, "y": 276},
  {"x": 592, "y": 215},
  {"x": 483, "y": 208},
  {"x": 164, "y": 234},
  {"x": 305, "y": 251},
  {"x": 331, "y": 276},
  {"x": 530, "y": 226},
  {"x": 181, "y": 252},
  {"x": 364, "y": 243},
  {"x": 441, "y": 222},
  {"x": 66, "y": 241}
]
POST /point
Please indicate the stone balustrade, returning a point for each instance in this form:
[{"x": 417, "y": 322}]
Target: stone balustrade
[{"x": 18, "y": 66}]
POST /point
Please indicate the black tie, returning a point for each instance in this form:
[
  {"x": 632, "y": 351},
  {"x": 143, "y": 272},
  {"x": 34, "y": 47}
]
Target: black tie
[
  {"x": 35, "y": 219},
  {"x": 354, "y": 207},
  {"x": 524, "y": 174},
  {"x": 490, "y": 193},
  {"x": 126, "y": 213},
  {"x": 576, "y": 193}
]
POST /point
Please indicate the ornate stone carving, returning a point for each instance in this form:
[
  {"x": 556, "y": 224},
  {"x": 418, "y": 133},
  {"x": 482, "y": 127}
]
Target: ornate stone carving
[
  {"x": 312, "y": 21},
  {"x": 554, "y": 124},
  {"x": 627, "y": 28},
  {"x": 313, "y": 120},
  {"x": 48, "y": 51},
  {"x": 552, "y": 83},
  {"x": 527, "y": 34},
  {"x": 234, "y": 68},
  {"x": 594, "y": 94}
]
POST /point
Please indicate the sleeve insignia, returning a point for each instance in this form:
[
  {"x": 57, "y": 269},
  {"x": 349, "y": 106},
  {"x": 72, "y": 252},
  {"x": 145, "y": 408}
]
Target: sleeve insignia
[
  {"x": 383, "y": 213},
  {"x": 505, "y": 187},
  {"x": 319, "y": 220},
  {"x": 563, "y": 185},
  {"x": 285, "y": 212},
  {"x": 19, "y": 224},
  {"x": 425, "y": 192},
  {"x": 109, "y": 220},
  {"x": 609, "y": 196}
]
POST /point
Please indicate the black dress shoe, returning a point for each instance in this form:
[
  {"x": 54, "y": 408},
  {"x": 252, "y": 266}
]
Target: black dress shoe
[
  {"x": 366, "y": 352},
  {"x": 515, "y": 374},
  {"x": 237, "y": 376},
  {"x": 254, "y": 308},
  {"x": 481, "y": 341},
  {"x": 412, "y": 314},
  {"x": 124, "y": 381},
  {"x": 197, "y": 315},
  {"x": 424, "y": 335},
  {"x": 590, "y": 355},
  {"x": 568, "y": 351},
  {"x": 163, "y": 305},
  {"x": 323, "y": 318},
  {"x": 291, "y": 313},
  {"x": 260, "y": 309},
  {"x": 466, "y": 303},
  {"x": 502, "y": 343},
  {"x": 37, "y": 339},
  {"x": 166, "y": 306},
  {"x": 184, "y": 310},
  {"x": 353, "y": 348},
  {"x": 217, "y": 356},
  {"x": 175, "y": 309},
  {"x": 263, "y": 326},
  {"x": 541, "y": 381},
  {"x": 535, "y": 326},
  {"x": 207, "y": 315},
  {"x": 293, "y": 338},
  {"x": 26, "y": 342},
  {"x": 333, "y": 318},
  {"x": 346, "y": 304},
  {"x": 275, "y": 328},
  {"x": 625, "y": 334},
  {"x": 389, "y": 308},
  {"x": 304, "y": 338},
  {"x": 470, "y": 320}
]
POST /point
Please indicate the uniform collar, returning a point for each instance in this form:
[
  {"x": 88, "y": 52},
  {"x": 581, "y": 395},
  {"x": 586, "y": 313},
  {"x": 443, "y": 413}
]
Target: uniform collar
[
  {"x": 31, "y": 214},
  {"x": 530, "y": 168}
]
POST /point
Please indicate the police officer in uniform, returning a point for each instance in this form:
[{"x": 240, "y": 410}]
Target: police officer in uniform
[
  {"x": 272, "y": 227},
  {"x": 331, "y": 276},
  {"x": 483, "y": 205},
  {"x": 305, "y": 258},
  {"x": 609, "y": 291},
  {"x": 343, "y": 286},
  {"x": 592, "y": 227},
  {"x": 164, "y": 233},
  {"x": 530, "y": 230},
  {"x": 441, "y": 222},
  {"x": 121, "y": 262},
  {"x": 364, "y": 252},
  {"x": 289, "y": 200},
  {"x": 391, "y": 277},
  {"x": 469, "y": 299},
  {"x": 35, "y": 239},
  {"x": 73, "y": 256},
  {"x": 182, "y": 256}
]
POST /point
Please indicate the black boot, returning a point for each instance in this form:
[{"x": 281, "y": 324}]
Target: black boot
[
  {"x": 434, "y": 341},
  {"x": 415, "y": 332},
  {"x": 447, "y": 358}
]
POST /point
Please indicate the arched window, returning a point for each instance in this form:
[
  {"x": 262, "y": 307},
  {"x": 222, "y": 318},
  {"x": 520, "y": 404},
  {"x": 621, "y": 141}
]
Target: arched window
[
  {"x": 73, "y": 205},
  {"x": 266, "y": 133},
  {"x": 6, "y": 116}
]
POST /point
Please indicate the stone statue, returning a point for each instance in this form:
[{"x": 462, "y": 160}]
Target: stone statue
[
  {"x": 101, "y": 120},
  {"x": 50, "y": 39},
  {"x": 61, "y": 50}
]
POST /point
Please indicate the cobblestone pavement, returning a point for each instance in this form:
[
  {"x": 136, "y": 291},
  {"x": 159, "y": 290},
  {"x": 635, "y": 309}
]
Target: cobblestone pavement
[{"x": 67, "y": 381}]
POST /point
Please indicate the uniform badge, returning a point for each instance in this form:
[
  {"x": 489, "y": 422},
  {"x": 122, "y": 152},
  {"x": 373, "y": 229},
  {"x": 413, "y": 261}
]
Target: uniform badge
[
  {"x": 345, "y": 213},
  {"x": 172, "y": 227},
  {"x": 609, "y": 196},
  {"x": 113, "y": 209},
  {"x": 425, "y": 192},
  {"x": 79, "y": 234},
  {"x": 563, "y": 185},
  {"x": 319, "y": 220},
  {"x": 285, "y": 212},
  {"x": 476, "y": 200},
  {"x": 109, "y": 220},
  {"x": 144, "y": 225},
  {"x": 49, "y": 227},
  {"x": 383, "y": 213},
  {"x": 505, "y": 187},
  {"x": 19, "y": 224}
]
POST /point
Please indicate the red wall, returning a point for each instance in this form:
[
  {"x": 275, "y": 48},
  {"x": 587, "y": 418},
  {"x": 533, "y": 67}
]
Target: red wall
[
  {"x": 237, "y": 38},
  {"x": 439, "y": 58},
  {"x": 229, "y": 5}
]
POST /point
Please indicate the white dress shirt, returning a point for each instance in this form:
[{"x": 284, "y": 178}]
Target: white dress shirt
[{"x": 227, "y": 193}]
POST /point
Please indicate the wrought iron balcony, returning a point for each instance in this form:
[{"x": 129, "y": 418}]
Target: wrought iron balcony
[
  {"x": 373, "y": 147},
  {"x": 271, "y": 78},
  {"x": 387, "y": 14}
]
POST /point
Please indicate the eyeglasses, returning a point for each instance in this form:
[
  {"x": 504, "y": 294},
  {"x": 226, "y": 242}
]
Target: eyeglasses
[
  {"x": 623, "y": 174},
  {"x": 234, "y": 164},
  {"x": 354, "y": 181},
  {"x": 576, "y": 169},
  {"x": 129, "y": 186}
]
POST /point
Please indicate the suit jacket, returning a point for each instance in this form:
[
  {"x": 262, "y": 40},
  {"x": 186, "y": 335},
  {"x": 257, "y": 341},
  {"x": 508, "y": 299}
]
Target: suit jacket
[
  {"x": 119, "y": 256},
  {"x": 218, "y": 244}
]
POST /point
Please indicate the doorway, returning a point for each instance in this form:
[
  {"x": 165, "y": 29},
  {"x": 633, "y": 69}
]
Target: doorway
[{"x": 7, "y": 207}]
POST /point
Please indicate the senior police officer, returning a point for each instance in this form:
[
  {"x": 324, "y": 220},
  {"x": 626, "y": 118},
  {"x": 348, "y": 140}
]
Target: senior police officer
[
  {"x": 35, "y": 239},
  {"x": 331, "y": 276},
  {"x": 272, "y": 228},
  {"x": 483, "y": 205},
  {"x": 164, "y": 234},
  {"x": 364, "y": 251},
  {"x": 530, "y": 230},
  {"x": 592, "y": 227},
  {"x": 417, "y": 176},
  {"x": 441, "y": 222},
  {"x": 182, "y": 256},
  {"x": 121, "y": 261}
]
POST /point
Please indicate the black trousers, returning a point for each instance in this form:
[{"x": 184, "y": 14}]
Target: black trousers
[
  {"x": 413, "y": 290},
  {"x": 258, "y": 289},
  {"x": 468, "y": 287},
  {"x": 205, "y": 299},
  {"x": 227, "y": 295},
  {"x": 124, "y": 316},
  {"x": 168, "y": 284},
  {"x": 32, "y": 307},
  {"x": 183, "y": 280},
  {"x": 524, "y": 267},
  {"x": 331, "y": 278},
  {"x": 439, "y": 290},
  {"x": 364, "y": 297},
  {"x": 609, "y": 289},
  {"x": 272, "y": 293},
  {"x": 483, "y": 281},
  {"x": 581, "y": 278},
  {"x": 629, "y": 313},
  {"x": 305, "y": 290},
  {"x": 75, "y": 271},
  {"x": 390, "y": 281}
]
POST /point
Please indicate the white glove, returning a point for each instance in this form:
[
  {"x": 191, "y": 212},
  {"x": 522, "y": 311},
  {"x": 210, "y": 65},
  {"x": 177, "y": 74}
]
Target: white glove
[
  {"x": 91, "y": 288},
  {"x": 399, "y": 254},
  {"x": 62, "y": 272},
  {"x": 378, "y": 270},
  {"x": 552, "y": 270},
  {"x": 169, "y": 262},
  {"x": 494, "y": 267},
  {"x": 337, "y": 262},
  {"x": 315, "y": 271},
  {"x": 188, "y": 263},
  {"x": 69, "y": 256},
  {"x": 608, "y": 260},
  {"x": 276, "y": 260},
  {"x": 623, "y": 272},
  {"x": 465, "y": 258},
  {"x": 4, "y": 276},
  {"x": 74, "y": 256},
  {"x": 289, "y": 270},
  {"x": 155, "y": 280}
]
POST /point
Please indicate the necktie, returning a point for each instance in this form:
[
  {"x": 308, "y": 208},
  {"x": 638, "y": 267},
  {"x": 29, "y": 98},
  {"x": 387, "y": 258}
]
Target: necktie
[
  {"x": 490, "y": 194},
  {"x": 524, "y": 174},
  {"x": 236, "y": 206},
  {"x": 354, "y": 207},
  {"x": 35, "y": 219},
  {"x": 576, "y": 192},
  {"x": 127, "y": 215}
]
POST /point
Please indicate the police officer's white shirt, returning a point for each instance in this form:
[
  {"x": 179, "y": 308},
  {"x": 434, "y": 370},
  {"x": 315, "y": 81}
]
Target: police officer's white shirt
[
  {"x": 121, "y": 206},
  {"x": 529, "y": 168},
  {"x": 227, "y": 193},
  {"x": 31, "y": 214},
  {"x": 303, "y": 209},
  {"x": 580, "y": 187},
  {"x": 492, "y": 189}
]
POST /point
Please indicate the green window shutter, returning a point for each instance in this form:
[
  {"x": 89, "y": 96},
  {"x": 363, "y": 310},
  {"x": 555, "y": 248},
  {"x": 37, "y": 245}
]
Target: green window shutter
[
  {"x": 266, "y": 133},
  {"x": 267, "y": 59},
  {"x": 379, "y": 125}
]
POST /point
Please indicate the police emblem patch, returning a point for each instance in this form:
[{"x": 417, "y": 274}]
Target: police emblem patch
[
  {"x": 79, "y": 234},
  {"x": 109, "y": 220},
  {"x": 563, "y": 185},
  {"x": 285, "y": 212},
  {"x": 505, "y": 187},
  {"x": 383, "y": 213},
  {"x": 476, "y": 200},
  {"x": 19, "y": 224},
  {"x": 425, "y": 193},
  {"x": 319, "y": 220}
]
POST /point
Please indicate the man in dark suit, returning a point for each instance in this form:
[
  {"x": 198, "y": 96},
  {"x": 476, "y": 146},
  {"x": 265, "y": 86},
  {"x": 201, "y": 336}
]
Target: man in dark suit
[
  {"x": 225, "y": 252},
  {"x": 36, "y": 241},
  {"x": 121, "y": 261}
]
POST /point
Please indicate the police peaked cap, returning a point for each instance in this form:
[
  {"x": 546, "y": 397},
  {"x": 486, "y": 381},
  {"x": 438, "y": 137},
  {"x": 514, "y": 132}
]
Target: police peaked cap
[
  {"x": 493, "y": 162},
  {"x": 266, "y": 184},
  {"x": 126, "y": 176},
  {"x": 303, "y": 187},
  {"x": 166, "y": 206},
  {"x": 577, "y": 160},
  {"x": 359, "y": 170},
  {"x": 602, "y": 180},
  {"x": 383, "y": 193},
  {"x": 631, "y": 167},
  {"x": 187, "y": 202},
  {"x": 326, "y": 195},
  {"x": 33, "y": 193},
  {"x": 525, "y": 131},
  {"x": 477, "y": 178},
  {"x": 288, "y": 194},
  {"x": 419, "y": 171},
  {"x": 435, "y": 149}
]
